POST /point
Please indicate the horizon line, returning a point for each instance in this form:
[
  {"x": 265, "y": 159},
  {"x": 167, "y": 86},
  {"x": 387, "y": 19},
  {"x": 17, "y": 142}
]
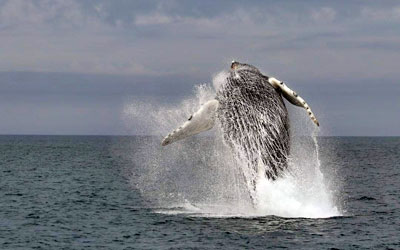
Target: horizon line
[{"x": 121, "y": 135}]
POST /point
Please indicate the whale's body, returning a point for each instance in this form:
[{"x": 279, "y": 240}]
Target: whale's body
[{"x": 253, "y": 118}]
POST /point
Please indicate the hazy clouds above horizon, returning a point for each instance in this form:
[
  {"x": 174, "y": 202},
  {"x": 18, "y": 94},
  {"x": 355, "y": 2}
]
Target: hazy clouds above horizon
[{"x": 69, "y": 67}]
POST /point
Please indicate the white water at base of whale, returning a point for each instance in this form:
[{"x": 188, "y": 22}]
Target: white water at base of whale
[
  {"x": 287, "y": 198},
  {"x": 201, "y": 177},
  {"x": 290, "y": 196}
]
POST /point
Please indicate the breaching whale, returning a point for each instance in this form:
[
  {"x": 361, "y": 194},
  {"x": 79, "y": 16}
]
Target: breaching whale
[{"x": 252, "y": 116}]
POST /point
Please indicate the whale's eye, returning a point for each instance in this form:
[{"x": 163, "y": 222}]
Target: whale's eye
[{"x": 234, "y": 65}]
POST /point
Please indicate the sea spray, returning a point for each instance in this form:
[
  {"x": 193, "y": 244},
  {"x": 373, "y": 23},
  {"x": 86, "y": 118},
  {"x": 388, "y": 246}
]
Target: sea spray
[
  {"x": 152, "y": 118},
  {"x": 199, "y": 171},
  {"x": 302, "y": 191},
  {"x": 201, "y": 176}
]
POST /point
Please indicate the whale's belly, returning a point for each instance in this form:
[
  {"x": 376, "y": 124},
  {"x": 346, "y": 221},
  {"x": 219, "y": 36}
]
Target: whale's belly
[{"x": 254, "y": 122}]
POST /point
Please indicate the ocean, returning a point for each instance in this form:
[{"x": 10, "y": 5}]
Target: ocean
[{"x": 126, "y": 192}]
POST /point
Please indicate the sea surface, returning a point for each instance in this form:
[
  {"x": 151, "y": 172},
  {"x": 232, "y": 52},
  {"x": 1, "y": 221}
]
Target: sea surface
[{"x": 97, "y": 192}]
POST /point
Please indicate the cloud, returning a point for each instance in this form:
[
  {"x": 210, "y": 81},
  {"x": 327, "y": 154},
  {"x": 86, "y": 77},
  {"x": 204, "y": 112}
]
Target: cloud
[
  {"x": 59, "y": 36},
  {"x": 153, "y": 19},
  {"x": 42, "y": 14},
  {"x": 164, "y": 39},
  {"x": 381, "y": 14},
  {"x": 324, "y": 14}
]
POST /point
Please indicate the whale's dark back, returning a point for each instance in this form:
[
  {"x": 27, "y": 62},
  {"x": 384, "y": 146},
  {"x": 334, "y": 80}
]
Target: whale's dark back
[{"x": 254, "y": 120}]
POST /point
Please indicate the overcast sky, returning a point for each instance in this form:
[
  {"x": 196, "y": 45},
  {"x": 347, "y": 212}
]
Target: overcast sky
[{"x": 70, "y": 67}]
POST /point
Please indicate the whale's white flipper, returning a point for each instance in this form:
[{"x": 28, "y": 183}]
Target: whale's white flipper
[
  {"x": 200, "y": 121},
  {"x": 292, "y": 97}
]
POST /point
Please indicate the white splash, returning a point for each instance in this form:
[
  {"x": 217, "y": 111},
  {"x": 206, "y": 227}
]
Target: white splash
[
  {"x": 219, "y": 79},
  {"x": 300, "y": 193},
  {"x": 147, "y": 118},
  {"x": 200, "y": 176}
]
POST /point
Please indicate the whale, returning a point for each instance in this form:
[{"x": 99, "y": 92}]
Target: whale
[{"x": 250, "y": 110}]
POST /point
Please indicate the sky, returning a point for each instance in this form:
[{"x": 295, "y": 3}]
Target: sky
[{"x": 70, "y": 67}]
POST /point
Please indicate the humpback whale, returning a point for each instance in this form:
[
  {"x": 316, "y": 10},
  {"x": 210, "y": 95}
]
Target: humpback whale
[{"x": 253, "y": 118}]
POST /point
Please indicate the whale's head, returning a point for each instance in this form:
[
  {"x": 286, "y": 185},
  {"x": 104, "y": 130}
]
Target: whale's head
[
  {"x": 236, "y": 75},
  {"x": 237, "y": 67}
]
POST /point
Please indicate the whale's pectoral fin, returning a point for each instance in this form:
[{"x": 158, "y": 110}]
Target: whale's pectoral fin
[
  {"x": 200, "y": 121},
  {"x": 292, "y": 97}
]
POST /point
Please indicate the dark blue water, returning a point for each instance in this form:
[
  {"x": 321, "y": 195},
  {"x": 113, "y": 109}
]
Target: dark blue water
[{"x": 67, "y": 192}]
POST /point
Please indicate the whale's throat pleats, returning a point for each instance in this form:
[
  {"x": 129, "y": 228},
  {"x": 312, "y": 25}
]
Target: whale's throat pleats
[{"x": 254, "y": 122}]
